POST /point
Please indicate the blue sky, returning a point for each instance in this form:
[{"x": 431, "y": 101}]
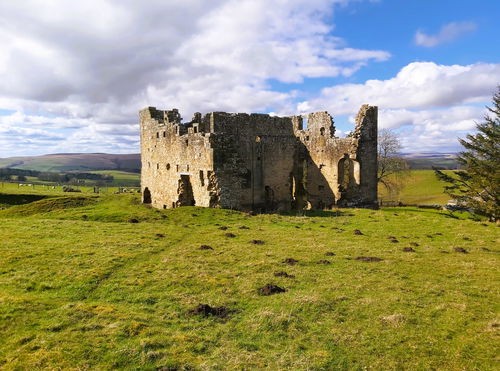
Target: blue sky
[{"x": 76, "y": 74}]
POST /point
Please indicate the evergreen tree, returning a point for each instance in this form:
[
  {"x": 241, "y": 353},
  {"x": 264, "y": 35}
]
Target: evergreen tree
[{"x": 478, "y": 185}]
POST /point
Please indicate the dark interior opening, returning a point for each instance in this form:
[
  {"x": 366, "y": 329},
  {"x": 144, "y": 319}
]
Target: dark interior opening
[{"x": 146, "y": 196}]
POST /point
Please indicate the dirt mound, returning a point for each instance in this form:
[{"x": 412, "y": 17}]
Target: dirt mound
[
  {"x": 394, "y": 240},
  {"x": 323, "y": 262},
  {"x": 244, "y": 227},
  {"x": 257, "y": 242},
  {"x": 368, "y": 259},
  {"x": 414, "y": 244},
  {"x": 160, "y": 235},
  {"x": 270, "y": 289},
  {"x": 408, "y": 249},
  {"x": 357, "y": 232},
  {"x": 329, "y": 253},
  {"x": 230, "y": 235},
  {"x": 223, "y": 228},
  {"x": 133, "y": 220},
  {"x": 460, "y": 250},
  {"x": 205, "y": 247},
  {"x": 283, "y": 274},
  {"x": 290, "y": 261},
  {"x": 206, "y": 310}
]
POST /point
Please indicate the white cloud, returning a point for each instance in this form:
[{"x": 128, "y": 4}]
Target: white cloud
[
  {"x": 95, "y": 63},
  {"x": 417, "y": 85},
  {"x": 431, "y": 104},
  {"x": 447, "y": 33}
]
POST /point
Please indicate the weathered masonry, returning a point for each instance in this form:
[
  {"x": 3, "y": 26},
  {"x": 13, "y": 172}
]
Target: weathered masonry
[{"x": 256, "y": 161}]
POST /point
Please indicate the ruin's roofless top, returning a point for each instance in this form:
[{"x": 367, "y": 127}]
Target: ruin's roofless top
[{"x": 257, "y": 161}]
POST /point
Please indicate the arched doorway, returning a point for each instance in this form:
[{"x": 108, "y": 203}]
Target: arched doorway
[
  {"x": 185, "y": 192},
  {"x": 146, "y": 196},
  {"x": 348, "y": 177}
]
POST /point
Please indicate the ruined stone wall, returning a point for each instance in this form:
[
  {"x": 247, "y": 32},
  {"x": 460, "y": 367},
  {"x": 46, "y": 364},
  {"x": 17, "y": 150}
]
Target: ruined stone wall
[
  {"x": 173, "y": 154},
  {"x": 341, "y": 171},
  {"x": 257, "y": 161},
  {"x": 254, "y": 157}
]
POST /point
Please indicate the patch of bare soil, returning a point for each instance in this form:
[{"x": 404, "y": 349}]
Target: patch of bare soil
[
  {"x": 414, "y": 244},
  {"x": 368, "y": 259},
  {"x": 244, "y": 227},
  {"x": 408, "y": 249},
  {"x": 357, "y": 232},
  {"x": 283, "y": 274},
  {"x": 466, "y": 239},
  {"x": 205, "y": 247},
  {"x": 460, "y": 250},
  {"x": 223, "y": 228},
  {"x": 133, "y": 220},
  {"x": 206, "y": 310},
  {"x": 159, "y": 235},
  {"x": 290, "y": 261},
  {"x": 324, "y": 261},
  {"x": 329, "y": 253},
  {"x": 230, "y": 235},
  {"x": 270, "y": 289},
  {"x": 257, "y": 242}
]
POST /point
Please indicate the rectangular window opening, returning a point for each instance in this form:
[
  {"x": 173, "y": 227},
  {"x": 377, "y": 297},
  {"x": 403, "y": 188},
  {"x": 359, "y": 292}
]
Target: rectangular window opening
[{"x": 202, "y": 178}]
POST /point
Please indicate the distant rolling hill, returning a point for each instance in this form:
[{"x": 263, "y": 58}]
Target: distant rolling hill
[
  {"x": 75, "y": 162},
  {"x": 428, "y": 160},
  {"x": 132, "y": 162}
]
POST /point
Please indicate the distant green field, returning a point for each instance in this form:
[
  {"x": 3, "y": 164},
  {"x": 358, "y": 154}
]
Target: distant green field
[
  {"x": 122, "y": 178},
  {"x": 82, "y": 287},
  {"x": 421, "y": 187}
]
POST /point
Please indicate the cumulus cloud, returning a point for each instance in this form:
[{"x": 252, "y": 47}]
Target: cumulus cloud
[
  {"x": 96, "y": 63},
  {"x": 432, "y": 104},
  {"x": 447, "y": 33},
  {"x": 417, "y": 85}
]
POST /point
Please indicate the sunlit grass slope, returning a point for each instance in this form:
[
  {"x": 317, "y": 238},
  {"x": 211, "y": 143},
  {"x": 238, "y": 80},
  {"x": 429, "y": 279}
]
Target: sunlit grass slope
[
  {"x": 421, "y": 187},
  {"x": 103, "y": 282}
]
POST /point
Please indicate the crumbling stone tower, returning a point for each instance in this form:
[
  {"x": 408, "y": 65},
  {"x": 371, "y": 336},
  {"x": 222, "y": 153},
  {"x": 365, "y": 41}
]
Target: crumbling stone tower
[{"x": 256, "y": 161}]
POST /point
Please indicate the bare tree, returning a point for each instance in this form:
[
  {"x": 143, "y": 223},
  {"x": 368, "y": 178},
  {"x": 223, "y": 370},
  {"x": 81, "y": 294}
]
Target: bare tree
[{"x": 392, "y": 168}]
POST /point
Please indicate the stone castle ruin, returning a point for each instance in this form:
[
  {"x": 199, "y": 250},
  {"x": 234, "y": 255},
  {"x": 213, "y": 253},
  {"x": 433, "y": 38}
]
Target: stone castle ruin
[{"x": 257, "y": 161}]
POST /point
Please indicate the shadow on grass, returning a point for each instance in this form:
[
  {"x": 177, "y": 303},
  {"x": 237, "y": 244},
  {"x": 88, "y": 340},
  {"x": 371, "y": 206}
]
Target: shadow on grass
[
  {"x": 446, "y": 214},
  {"x": 316, "y": 213},
  {"x": 19, "y": 199}
]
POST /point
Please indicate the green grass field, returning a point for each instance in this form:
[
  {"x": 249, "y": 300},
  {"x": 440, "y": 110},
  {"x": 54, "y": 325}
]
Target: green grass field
[
  {"x": 122, "y": 178},
  {"x": 421, "y": 187},
  {"x": 81, "y": 287}
]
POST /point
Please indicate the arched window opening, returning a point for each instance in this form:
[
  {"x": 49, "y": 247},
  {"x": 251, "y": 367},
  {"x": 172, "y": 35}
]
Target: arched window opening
[{"x": 344, "y": 173}]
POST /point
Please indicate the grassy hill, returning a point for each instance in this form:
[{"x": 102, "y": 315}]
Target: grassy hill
[
  {"x": 421, "y": 187},
  {"x": 427, "y": 161},
  {"x": 103, "y": 282},
  {"x": 74, "y": 162}
]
